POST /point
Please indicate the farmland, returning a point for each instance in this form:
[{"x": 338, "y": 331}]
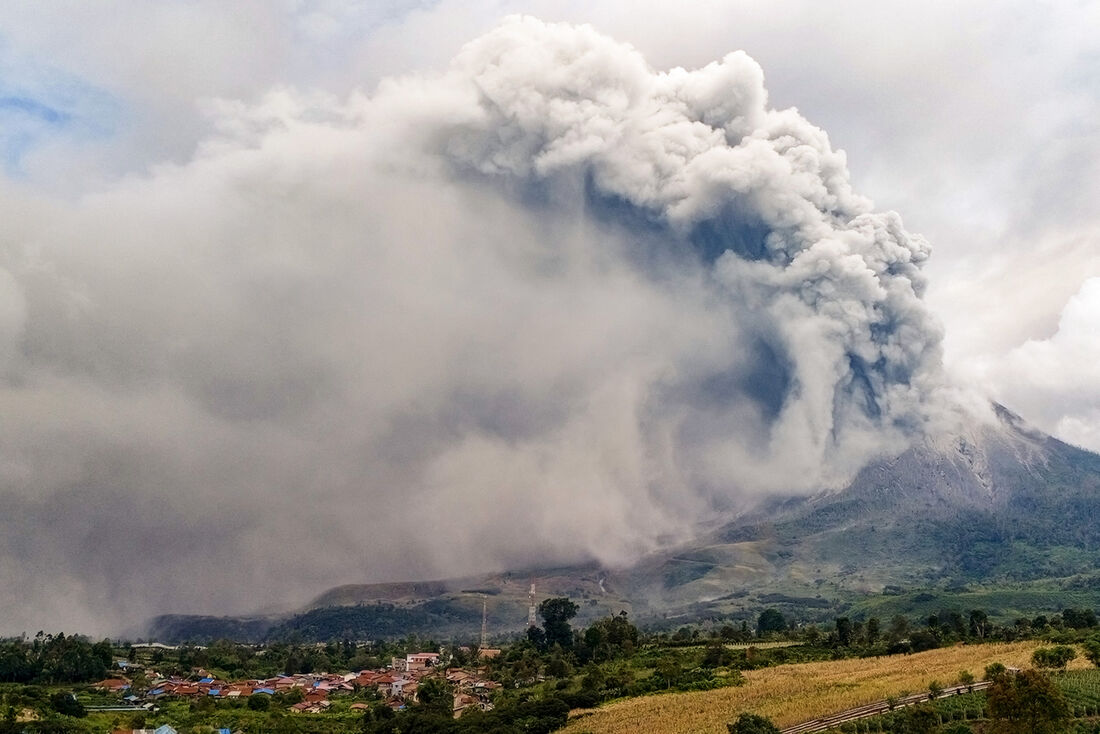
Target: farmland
[{"x": 789, "y": 694}]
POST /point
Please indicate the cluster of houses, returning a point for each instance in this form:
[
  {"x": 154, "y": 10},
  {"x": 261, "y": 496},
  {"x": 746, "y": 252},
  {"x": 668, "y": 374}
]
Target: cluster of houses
[{"x": 397, "y": 684}]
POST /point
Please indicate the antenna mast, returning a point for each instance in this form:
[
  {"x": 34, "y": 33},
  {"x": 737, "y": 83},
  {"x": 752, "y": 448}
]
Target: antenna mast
[
  {"x": 531, "y": 606},
  {"x": 484, "y": 624}
]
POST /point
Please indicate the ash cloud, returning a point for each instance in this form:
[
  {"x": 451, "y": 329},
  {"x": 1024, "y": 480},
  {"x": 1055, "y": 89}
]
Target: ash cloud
[{"x": 550, "y": 304}]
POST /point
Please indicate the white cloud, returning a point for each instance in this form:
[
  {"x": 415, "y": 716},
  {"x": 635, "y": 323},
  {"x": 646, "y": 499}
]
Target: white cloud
[
  {"x": 499, "y": 298},
  {"x": 210, "y": 307},
  {"x": 1055, "y": 381}
]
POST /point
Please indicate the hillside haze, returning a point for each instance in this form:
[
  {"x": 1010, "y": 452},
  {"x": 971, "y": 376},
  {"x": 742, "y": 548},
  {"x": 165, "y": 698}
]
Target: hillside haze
[{"x": 1000, "y": 514}]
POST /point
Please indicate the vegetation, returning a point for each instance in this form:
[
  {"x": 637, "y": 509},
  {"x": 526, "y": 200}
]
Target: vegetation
[
  {"x": 736, "y": 675},
  {"x": 1027, "y": 703},
  {"x": 1053, "y": 658},
  {"x": 54, "y": 659},
  {"x": 789, "y": 694},
  {"x": 753, "y": 724}
]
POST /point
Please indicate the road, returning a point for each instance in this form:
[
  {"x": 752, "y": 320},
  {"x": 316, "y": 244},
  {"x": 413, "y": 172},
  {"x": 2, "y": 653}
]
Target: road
[{"x": 874, "y": 709}]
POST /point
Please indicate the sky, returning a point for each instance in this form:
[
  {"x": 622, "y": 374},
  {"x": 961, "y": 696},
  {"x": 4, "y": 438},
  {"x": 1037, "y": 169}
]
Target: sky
[{"x": 298, "y": 293}]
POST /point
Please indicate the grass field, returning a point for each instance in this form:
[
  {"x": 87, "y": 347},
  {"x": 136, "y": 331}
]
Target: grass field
[{"x": 789, "y": 694}]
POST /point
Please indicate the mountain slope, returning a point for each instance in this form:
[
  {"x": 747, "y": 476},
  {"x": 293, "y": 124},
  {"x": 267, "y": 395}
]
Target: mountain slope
[
  {"x": 1003, "y": 504},
  {"x": 999, "y": 507}
]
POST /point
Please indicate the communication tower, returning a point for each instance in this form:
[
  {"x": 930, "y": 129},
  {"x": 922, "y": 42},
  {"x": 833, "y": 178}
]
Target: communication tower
[{"x": 484, "y": 624}]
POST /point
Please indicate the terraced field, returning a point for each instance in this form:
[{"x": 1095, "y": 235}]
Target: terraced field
[{"x": 790, "y": 694}]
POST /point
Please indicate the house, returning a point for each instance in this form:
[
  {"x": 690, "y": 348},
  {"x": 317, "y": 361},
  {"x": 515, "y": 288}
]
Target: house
[
  {"x": 392, "y": 687},
  {"x": 367, "y": 678},
  {"x": 420, "y": 660},
  {"x": 464, "y": 702},
  {"x": 457, "y": 676}
]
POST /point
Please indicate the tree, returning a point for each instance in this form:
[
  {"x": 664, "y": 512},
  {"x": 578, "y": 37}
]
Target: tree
[
  {"x": 434, "y": 695},
  {"x": 1092, "y": 650},
  {"x": 556, "y": 614},
  {"x": 558, "y": 666},
  {"x": 382, "y": 712},
  {"x": 1054, "y": 658},
  {"x": 715, "y": 655},
  {"x": 979, "y": 624},
  {"x": 611, "y": 637},
  {"x": 922, "y": 640},
  {"x": 844, "y": 631},
  {"x": 1079, "y": 618},
  {"x": 872, "y": 630},
  {"x": 955, "y": 622},
  {"x": 770, "y": 620},
  {"x": 66, "y": 704},
  {"x": 259, "y": 702},
  {"x": 899, "y": 628},
  {"x": 966, "y": 678},
  {"x": 1026, "y": 703},
  {"x": 752, "y": 724},
  {"x": 669, "y": 670},
  {"x": 921, "y": 719},
  {"x": 935, "y": 690},
  {"x": 537, "y": 637}
]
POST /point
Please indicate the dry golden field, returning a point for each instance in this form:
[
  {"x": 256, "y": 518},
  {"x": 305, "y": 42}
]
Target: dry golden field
[{"x": 790, "y": 694}]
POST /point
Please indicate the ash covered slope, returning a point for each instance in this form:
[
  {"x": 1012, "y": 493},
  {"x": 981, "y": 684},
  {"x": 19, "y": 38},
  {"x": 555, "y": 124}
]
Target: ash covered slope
[{"x": 999, "y": 503}]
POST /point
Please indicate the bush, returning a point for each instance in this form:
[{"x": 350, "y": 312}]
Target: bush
[
  {"x": 958, "y": 729},
  {"x": 1057, "y": 657},
  {"x": 752, "y": 724},
  {"x": 66, "y": 704}
]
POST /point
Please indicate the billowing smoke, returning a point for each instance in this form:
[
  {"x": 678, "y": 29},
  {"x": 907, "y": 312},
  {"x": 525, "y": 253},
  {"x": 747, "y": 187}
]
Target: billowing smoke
[{"x": 550, "y": 305}]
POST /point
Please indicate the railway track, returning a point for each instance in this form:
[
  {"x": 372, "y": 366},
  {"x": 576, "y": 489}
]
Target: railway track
[{"x": 876, "y": 708}]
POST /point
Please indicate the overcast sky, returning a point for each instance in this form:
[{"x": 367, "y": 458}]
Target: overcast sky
[{"x": 274, "y": 290}]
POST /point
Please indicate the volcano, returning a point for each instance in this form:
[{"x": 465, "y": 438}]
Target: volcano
[{"x": 999, "y": 517}]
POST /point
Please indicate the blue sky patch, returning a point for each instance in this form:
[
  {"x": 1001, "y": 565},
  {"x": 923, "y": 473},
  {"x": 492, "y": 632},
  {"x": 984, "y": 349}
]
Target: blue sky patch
[{"x": 41, "y": 105}]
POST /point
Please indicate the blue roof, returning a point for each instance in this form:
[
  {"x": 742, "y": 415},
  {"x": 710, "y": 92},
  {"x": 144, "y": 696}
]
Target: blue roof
[
  {"x": 156, "y": 692},
  {"x": 207, "y": 680},
  {"x": 165, "y": 729},
  {"x": 264, "y": 690},
  {"x": 213, "y": 691}
]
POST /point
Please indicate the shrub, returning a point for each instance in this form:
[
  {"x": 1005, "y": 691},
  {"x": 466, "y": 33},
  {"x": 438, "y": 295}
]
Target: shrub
[{"x": 752, "y": 724}]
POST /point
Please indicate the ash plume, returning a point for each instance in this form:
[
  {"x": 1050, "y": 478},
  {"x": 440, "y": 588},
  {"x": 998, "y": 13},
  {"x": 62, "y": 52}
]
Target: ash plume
[{"x": 549, "y": 304}]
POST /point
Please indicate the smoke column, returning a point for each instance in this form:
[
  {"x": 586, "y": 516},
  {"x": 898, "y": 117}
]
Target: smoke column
[{"x": 551, "y": 304}]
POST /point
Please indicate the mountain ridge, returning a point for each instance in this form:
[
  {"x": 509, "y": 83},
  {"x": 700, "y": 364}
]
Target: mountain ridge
[{"x": 997, "y": 504}]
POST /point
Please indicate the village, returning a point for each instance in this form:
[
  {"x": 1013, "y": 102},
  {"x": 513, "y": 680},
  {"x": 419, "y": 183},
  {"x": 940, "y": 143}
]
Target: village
[{"x": 395, "y": 686}]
